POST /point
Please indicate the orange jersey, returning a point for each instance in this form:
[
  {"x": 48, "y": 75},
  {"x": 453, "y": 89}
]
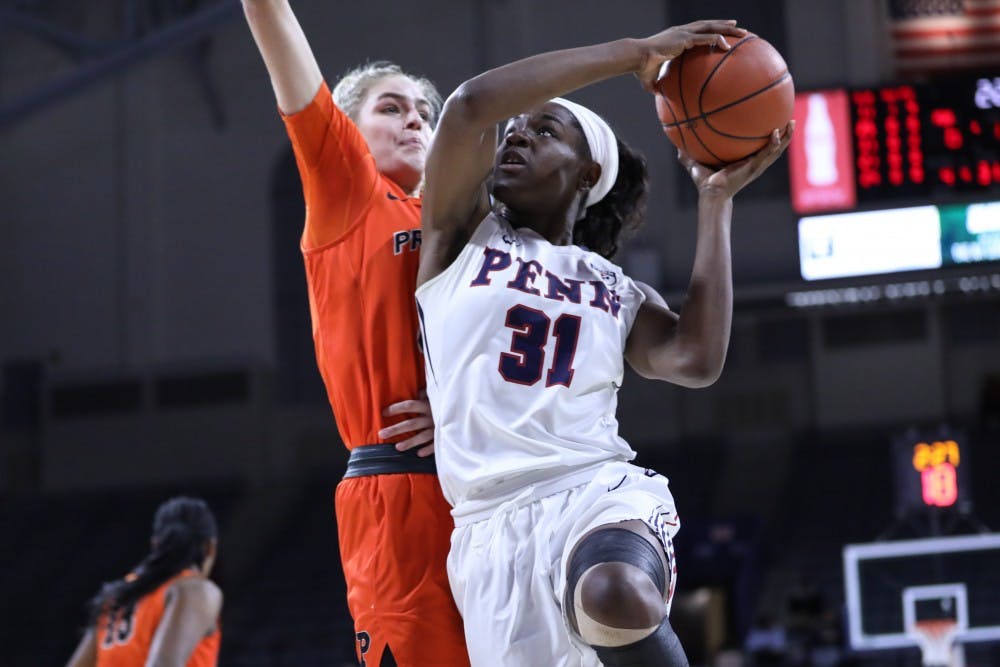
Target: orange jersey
[
  {"x": 124, "y": 639},
  {"x": 361, "y": 243}
]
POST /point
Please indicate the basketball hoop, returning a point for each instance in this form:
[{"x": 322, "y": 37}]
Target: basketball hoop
[{"x": 936, "y": 638}]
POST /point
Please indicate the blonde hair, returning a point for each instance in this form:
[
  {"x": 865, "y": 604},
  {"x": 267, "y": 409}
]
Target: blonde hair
[{"x": 352, "y": 89}]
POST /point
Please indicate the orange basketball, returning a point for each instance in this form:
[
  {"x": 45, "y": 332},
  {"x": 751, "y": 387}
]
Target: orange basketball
[{"x": 721, "y": 106}]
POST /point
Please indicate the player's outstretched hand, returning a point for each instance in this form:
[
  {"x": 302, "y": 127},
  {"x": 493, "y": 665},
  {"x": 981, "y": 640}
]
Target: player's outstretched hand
[
  {"x": 673, "y": 41},
  {"x": 421, "y": 425},
  {"x": 732, "y": 178}
]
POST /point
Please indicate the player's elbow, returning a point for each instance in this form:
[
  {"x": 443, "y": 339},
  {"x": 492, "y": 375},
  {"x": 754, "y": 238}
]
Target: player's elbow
[
  {"x": 698, "y": 369},
  {"x": 467, "y": 105},
  {"x": 691, "y": 366},
  {"x": 703, "y": 376}
]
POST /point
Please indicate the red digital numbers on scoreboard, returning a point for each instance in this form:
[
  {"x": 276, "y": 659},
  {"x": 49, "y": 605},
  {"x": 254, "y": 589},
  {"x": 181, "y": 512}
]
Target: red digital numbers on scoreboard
[
  {"x": 908, "y": 141},
  {"x": 937, "y": 463},
  {"x": 866, "y": 139},
  {"x": 922, "y": 140},
  {"x": 889, "y": 139},
  {"x": 932, "y": 471},
  {"x": 904, "y": 157}
]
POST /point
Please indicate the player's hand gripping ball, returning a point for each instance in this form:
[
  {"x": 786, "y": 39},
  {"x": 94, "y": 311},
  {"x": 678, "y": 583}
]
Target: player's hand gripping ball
[{"x": 721, "y": 106}]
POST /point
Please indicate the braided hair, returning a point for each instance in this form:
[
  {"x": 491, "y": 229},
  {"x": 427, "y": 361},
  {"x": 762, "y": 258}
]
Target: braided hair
[
  {"x": 622, "y": 211},
  {"x": 182, "y": 528}
]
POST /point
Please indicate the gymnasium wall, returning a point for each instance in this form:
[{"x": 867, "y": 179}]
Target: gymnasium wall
[{"x": 139, "y": 243}]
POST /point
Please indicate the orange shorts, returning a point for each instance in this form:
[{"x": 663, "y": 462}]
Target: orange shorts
[{"x": 395, "y": 532}]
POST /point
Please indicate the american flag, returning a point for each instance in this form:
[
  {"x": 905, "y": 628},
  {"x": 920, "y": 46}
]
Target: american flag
[{"x": 933, "y": 36}]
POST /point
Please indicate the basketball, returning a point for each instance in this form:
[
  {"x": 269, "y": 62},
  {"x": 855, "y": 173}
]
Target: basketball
[{"x": 721, "y": 106}]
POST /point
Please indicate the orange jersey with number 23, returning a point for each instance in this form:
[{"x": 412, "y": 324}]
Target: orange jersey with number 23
[{"x": 125, "y": 637}]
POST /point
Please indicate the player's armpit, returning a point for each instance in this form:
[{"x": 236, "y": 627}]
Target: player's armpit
[
  {"x": 648, "y": 349},
  {"x": 658, "y": 347}
]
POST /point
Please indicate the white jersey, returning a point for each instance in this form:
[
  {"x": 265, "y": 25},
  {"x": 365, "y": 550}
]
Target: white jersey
[{"x": 524, "y": 347}]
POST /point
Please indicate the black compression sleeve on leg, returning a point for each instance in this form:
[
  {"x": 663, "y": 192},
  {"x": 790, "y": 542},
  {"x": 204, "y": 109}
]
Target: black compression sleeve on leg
[
  {"x": 660, "y": 649},
  {"x": 615, "y": 545},
  {"x": 609, "y": 545}
]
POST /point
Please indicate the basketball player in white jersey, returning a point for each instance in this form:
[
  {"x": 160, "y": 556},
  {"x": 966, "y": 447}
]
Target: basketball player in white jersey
[{"x": 561, "y": 554}]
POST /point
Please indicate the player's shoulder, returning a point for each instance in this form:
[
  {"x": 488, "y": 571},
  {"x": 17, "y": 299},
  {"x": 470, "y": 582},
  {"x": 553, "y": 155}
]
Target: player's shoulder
[
  {"x": 198, "y": 590},
  {"x": 650, "y": 294},
  {"x": 597, "y": 260},
  {"x": 612, "y": 274},
  {"x": 494, "y": 224},
  {"x": 494, "y": 231}
]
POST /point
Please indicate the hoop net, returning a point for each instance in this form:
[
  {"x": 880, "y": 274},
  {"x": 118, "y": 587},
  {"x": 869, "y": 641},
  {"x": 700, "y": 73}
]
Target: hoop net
[{"x": 936, "y": 638}]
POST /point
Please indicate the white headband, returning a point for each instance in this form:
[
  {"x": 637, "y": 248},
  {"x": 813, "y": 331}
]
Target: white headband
[{"x": 603, "y": 148}]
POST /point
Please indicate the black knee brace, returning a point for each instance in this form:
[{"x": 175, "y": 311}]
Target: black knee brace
[
  {"x": 619, "y": 545},
  {"x": 615, "y": 545},
  {"x": 662, "y": 649}
]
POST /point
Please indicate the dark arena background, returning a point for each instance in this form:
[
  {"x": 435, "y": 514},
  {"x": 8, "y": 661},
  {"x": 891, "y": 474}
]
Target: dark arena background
[{"x": 837, "y": 486}]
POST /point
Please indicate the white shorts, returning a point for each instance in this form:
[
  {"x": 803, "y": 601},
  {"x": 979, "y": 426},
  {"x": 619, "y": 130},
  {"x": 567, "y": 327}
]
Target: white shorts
[{"x": 508, "y": 572}]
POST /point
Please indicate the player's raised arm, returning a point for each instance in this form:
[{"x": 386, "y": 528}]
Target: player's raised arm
[
  {"x": 690, "y": 349},
  {"x": 463, "y": 148},
  {"x": 290, "y": 62}
]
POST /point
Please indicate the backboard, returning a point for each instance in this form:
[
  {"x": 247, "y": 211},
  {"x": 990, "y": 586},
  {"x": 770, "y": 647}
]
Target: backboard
[{"x": 891, "y": 585}]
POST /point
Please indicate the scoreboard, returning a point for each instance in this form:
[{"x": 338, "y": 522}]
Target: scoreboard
[
  {"x": 931, "y": 471},
  {"x": 864, "y": 146}
]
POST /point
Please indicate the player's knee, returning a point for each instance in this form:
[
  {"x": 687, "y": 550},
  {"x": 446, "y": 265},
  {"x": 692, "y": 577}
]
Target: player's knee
[
  {"x": 616, "y": 583},
  {"x": 617, "y": 596},
  {"x": 615, "y": 587}
]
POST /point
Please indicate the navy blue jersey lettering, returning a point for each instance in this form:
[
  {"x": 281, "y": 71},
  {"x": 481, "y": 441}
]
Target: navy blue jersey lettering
[
  {"x": 526, "y": 274},
  {"x": 560, "y": 291},
  {"x": 605, "y": 299},
  {"x": 408, "y": 239},
  {"x": 496, "y": 260}
]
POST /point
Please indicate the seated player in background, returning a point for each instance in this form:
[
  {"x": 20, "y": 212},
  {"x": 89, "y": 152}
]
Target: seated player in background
[
  {"x": 360, "y": 154},
  {"x": 166, "y": 611},
  {"x": 562, "y": 551}
]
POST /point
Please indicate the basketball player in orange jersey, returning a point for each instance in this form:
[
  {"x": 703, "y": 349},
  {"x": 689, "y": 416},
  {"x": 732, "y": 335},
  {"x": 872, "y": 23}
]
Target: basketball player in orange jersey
[
  {"x": 166, "y": 612},
  {"x": 361, "y": 158}
]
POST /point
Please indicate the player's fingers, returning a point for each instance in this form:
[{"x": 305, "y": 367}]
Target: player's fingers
[
  {"x": 787, "y": 132},
  {"x": 412, "y": 406},
  {"x": 717, "y": 27},
  {"x": 779, "y": 141},
  {"x": 697, "y": 171},
  {"x": 406, "y": 426},
  {"x": 747, "y": 170},
  {"x": 727, "y": 26},
  {"x": 686, "y": 160},
  {"x": 718, "y": 41},
  {"x": 426, "y": 451},
  {"x": 421, "y": 438},
  {"x": 650, "y": 73}
]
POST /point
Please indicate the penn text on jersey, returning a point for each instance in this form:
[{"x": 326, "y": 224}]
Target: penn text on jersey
[{"x": 556, "y": 288}]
